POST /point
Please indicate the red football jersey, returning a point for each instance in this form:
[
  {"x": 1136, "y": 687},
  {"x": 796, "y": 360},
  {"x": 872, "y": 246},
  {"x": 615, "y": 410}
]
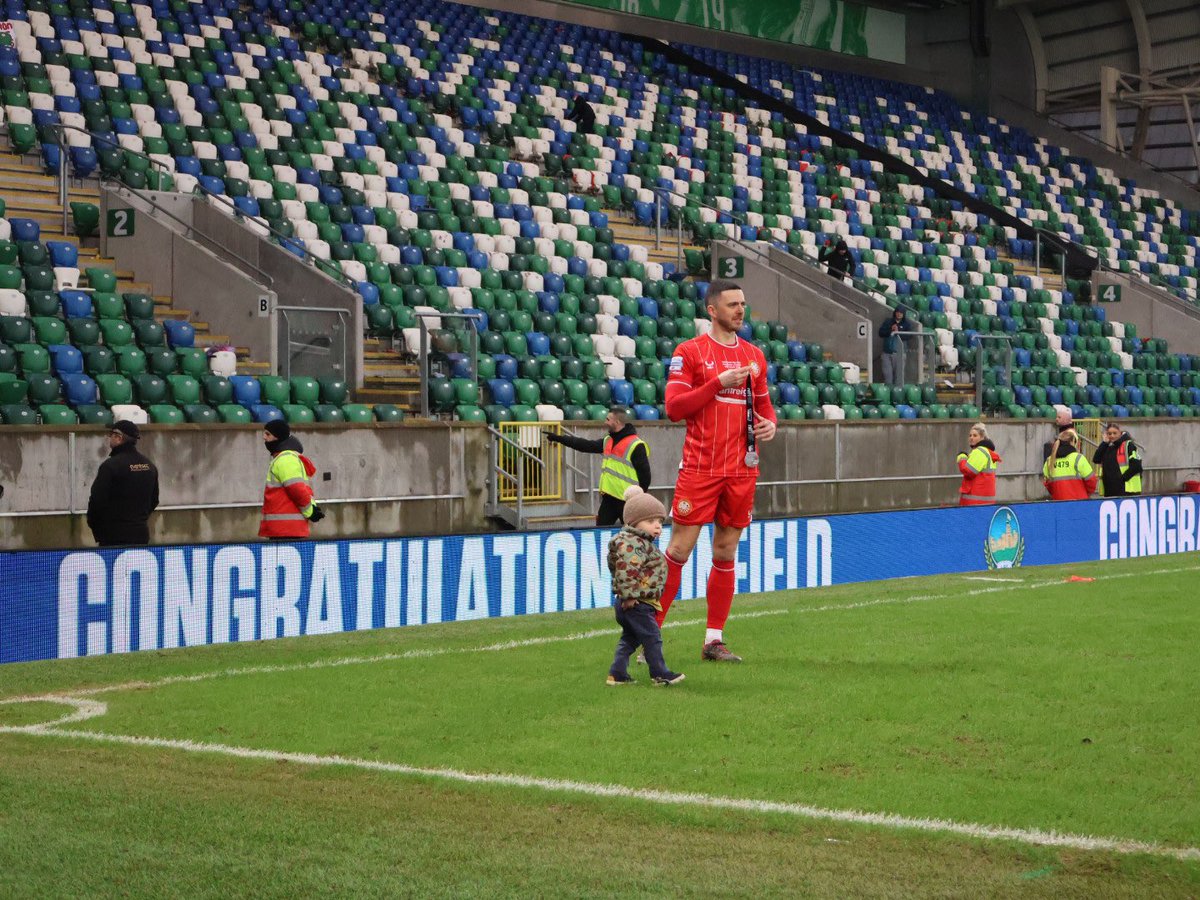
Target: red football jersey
[{"x": 715, "y": 443}]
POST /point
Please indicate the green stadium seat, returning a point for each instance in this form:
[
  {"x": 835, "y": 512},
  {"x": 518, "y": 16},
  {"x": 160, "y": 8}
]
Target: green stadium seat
[
  {"x": 149, "y": 390},
  {"x": 387, "y": 412},
  {"x": 18, "y": 414},
  {"x": 218, "y": 390},
  {"x": 139, "y": 306},
  {"x": 200, "y": 414},
  {"x": 161, "y": 361},
  {"x": 12, "y": 389},
  {"x": 184, "y": 390},
  {"x": 297, "y": 413},
  {"x": 99, "y": 360},
  {"x": 114, "y": 389},
  {"x": 192, "y": 361},
  {"x": 94, "y": 414},
  {"x": 305, "y": 390},
  {"x": 116, "y": 333},
  {"x": 165, "y": 414},
  {"x": 130, "y": 361},
  {"x": 358, "y": 412},
  {"x": 327, "y": 412},
  {"x": 56, "y": 414},
  {"x": 44, "y": 389},
  {"x": 235, "y": 414},
  {"x": 275, "y": 390},
  {"x": 333, "y": 390},
  {"x": 149, "y": 334}
]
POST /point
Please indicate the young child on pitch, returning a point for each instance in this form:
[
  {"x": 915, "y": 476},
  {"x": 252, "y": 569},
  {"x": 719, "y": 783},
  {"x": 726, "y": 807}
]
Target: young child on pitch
[{"x": 639, "y": 571}]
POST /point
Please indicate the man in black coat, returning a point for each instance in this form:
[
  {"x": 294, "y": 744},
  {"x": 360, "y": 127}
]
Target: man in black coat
[
  {"x": 837, "y": 259},
  {"x": 124, "y": 493},
  {"x": 582, "y": 115}
]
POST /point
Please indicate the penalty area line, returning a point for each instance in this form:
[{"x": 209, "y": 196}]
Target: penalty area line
[{"x": 1033, "y": 836}]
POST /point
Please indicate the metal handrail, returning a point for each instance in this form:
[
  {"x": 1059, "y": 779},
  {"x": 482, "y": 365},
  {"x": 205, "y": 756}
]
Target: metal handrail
[
  {"x": 315, "y": 261},
  {"x": 189, "y": 228},
  {"x": 339, "y": 312},
  {"x": 755, "y": 247},
  {"x": 519, "y": 479}
]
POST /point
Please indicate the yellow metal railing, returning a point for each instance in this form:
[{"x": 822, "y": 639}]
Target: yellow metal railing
[
  {"x": 1090, "y": 431},
  {"x": 533, "y": 464}
]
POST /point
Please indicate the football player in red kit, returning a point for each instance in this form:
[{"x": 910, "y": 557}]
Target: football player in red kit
[{"x": 718, "y": 383}]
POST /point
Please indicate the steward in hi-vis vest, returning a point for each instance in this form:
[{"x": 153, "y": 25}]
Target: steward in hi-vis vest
[
  {"x": 1120, "y": 462},
  {"x": 978, "y": 468},
  {"x": 626, "y": 462},
  {"x": 1067, "y": 473},
  {"x": 288, "y": 504}
]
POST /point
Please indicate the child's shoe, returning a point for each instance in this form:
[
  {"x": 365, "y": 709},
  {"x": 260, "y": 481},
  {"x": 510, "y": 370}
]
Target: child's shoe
[
  {"x": 618, "y": 680},
  {"x": 670, "y": 678}
]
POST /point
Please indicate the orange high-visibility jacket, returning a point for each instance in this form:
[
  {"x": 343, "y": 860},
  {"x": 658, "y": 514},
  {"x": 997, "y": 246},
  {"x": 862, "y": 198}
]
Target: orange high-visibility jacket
[{"x": 288, "y": 496}]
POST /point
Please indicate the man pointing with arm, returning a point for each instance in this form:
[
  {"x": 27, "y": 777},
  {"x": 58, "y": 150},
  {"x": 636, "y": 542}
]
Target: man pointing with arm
[{"x": 717, "y": 383}]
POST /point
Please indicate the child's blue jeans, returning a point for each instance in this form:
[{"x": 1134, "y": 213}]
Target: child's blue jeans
[{"x": 639, "y": 628}]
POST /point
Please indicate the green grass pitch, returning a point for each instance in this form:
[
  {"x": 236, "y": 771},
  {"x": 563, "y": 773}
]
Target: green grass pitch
[{"x": 977, "y": 717}]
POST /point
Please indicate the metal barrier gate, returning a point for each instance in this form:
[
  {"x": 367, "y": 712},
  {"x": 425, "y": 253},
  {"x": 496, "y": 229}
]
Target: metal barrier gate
[{"x": 532, "y": 466}]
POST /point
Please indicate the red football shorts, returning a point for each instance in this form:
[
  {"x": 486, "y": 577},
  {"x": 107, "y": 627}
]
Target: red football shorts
[{"x": 701, "y": 499}]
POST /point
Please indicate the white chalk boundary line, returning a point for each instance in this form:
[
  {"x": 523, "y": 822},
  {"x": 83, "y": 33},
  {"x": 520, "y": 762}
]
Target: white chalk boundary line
[{"x": 84, "y": 709}]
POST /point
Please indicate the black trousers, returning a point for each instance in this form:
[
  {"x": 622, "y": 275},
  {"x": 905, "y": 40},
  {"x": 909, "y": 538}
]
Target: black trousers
[
  {"x": 610, "y": 512},
  {"x": 639, "y": 628}
]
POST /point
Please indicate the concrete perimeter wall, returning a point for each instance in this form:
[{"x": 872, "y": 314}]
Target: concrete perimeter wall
[{"x": 432, "y": 478}]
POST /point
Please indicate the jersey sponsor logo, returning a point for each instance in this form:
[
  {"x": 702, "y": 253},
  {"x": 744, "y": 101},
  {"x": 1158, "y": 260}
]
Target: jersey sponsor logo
[{"x": 683, "y": 507}]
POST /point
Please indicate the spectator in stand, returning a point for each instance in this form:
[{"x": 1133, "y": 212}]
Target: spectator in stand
[
  {"x": 893, "y": 346},
  {"x": 1067, "y": 473},
  {"x": 837, "y": 259},
  {"x": 124, "y": 493},
  {"x": 582, "y": 115},
  {"x": 1062, "y": 422},
  {"x": 1120, "y": 462},
  {"x": 626, "y": 462},
  {"x": 978, "y": 468}
]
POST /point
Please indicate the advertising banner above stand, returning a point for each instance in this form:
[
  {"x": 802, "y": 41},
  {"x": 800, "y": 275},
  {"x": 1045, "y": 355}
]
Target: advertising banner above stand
[
  {"x": 837, "y": 25},
  {"x": 65, "y": 604}
]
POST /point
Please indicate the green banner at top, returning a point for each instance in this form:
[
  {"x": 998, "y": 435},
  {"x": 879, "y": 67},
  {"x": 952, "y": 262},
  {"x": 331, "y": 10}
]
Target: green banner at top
[{"x": 836, "y": 25}]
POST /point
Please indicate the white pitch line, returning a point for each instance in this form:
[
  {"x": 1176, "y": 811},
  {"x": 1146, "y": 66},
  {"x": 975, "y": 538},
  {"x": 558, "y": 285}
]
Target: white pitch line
[
  {"x": 988, "y": 578},
  {"x": 1032, "y": 836}
]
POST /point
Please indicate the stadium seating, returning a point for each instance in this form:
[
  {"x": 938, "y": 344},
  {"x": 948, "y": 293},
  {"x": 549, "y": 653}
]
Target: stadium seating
[{"x": 418, "y": 149}]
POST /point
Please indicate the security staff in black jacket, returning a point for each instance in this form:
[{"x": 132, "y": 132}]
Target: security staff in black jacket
[
  {"x": 1120, "y": 462},
  {"x": 124, "y": 493}
]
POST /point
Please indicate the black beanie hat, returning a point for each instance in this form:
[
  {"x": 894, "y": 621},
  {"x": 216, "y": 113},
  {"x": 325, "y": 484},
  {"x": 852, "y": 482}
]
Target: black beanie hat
[
  {"x": 127, "y": 428},
  {"x": 278, "y": 429}
]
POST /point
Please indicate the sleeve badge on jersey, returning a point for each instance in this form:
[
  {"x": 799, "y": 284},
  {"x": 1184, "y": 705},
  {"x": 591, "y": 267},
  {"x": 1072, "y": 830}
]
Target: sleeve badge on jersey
[{"x": 676, "y": 364}]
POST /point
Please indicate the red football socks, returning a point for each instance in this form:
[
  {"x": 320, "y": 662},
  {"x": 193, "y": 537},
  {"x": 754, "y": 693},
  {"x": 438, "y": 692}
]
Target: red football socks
[
  {"x": 671, "y": 589},
  {"x": 721, "y": 581}
]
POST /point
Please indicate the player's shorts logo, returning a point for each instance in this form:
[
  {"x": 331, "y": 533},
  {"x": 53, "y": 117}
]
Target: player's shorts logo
[{"x": 683, "y": 507}]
